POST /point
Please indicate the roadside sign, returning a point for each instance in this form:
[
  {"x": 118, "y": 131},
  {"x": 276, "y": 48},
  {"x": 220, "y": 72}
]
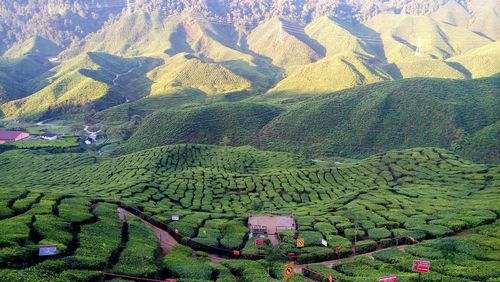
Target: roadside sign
[
  {"x": 324, "y": 242},
  {"x": 391, "y": 278},
  {"x": 289, "y": 271},
  {"x": 259, "y": 242},
  {"x": 176, "y": 217},
  {"x": 47, "y": 250},
  {"x": 236, "y": 252},
  {"x": 300, "y": 243},
  {"x": 421, "y": 266}
]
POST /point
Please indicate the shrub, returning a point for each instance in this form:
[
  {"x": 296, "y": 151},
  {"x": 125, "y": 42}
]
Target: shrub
[
  {"x": 434, "y": 230},
  {"x": 139, "y": 258},
  {"x": 351, "y": 233},
  {"x": 365, "y": 246},
  {"x": 180, "y": 264},
  {"x": 378, "y": 233},
  {"x": 392, "y": 255},
  {"x": 311, "y": 238}
]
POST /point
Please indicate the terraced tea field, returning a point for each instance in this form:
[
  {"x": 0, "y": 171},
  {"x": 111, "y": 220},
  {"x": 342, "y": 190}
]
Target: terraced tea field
[
  {"x": 475, "y": 258},
  {"x": 399, "y": 197}
]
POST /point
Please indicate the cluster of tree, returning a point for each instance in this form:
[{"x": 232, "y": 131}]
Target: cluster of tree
[
  {"x": 62, "y": 21},
  {"x": 67, "y": 21}
]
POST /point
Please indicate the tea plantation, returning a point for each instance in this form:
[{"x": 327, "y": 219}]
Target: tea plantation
[{"x": 397, "y": 198}]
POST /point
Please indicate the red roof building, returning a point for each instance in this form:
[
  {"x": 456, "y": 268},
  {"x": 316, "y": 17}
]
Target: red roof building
[{"x": 12, "y": 136}]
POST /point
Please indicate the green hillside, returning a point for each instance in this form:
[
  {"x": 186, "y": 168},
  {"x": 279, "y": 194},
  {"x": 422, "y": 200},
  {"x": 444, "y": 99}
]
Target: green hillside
[
  {"x": 184, "y": 72},
  {"x": 131, "y": 35},
  {"x": 84, "y": 83},
  {"x": 339, "y": 37},
  {"x": 284, "y": 57},
  {"x": 480, "y": 62},
  {"x": 271, "y": 39},
  {"x": 233, "y": 124},
  {"x": 425, "y": 67},
  {"x": 483, "y": 145},
  {"x": 401, "y": 34},
  {"x": 34, "y": 46},
  {"x": 389, "y": 115},
  {"x": 16, "y": 73},
  {"x": 329, "y": 74}
]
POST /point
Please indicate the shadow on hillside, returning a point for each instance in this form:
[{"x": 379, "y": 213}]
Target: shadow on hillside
[
  {"x": 179, "y": 42},
  {"x": 460, "y": 68},
  {"x": 300, "y": 34},
  {"x": 136, "y": 85}
]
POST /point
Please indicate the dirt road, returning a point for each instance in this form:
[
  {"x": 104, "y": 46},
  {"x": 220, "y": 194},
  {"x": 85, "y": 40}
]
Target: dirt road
[{"x": 167, "y": 242}]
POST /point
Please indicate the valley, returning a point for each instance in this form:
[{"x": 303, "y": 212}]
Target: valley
[{"x": 234, "y": 140}]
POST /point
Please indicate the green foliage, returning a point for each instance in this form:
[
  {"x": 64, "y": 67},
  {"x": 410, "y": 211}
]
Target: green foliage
[
  {"x": 180, "y": 264},
  {"x": 139, "y": 258},
  {"x": 377, "y": 117},
  {"x": 422, "y": 193},
  {"x": 98, "y": 241},
  {"x": 452, "y": 259},
  {"x": 379, "y": 233}
]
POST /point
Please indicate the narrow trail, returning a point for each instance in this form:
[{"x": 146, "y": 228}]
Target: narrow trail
[
  {"x": 167, "y": 242},
  {"x": 117, "y": 76},
  {"x": 329, "y": 263}
]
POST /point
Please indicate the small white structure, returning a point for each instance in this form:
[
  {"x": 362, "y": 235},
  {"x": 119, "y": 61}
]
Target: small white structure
[{"x": 49, "y": 136}]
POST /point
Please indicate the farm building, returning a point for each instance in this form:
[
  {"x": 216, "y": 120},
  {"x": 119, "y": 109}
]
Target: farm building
[
  {"x": 271, "y": 224},
  {"x": 49, "y": 136},
  {"x": 12, "y": 136}
]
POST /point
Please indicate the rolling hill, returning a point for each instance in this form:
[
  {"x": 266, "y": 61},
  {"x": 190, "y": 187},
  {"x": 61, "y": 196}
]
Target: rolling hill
[
  {"x": 483, "y": 145},
  {"x": 233, "y": 124},
  {"x": 16, "y": 75},
  {"x": 85, "y": 83},
  {"x": 275, "y": 40},
  {"x": 186, "y": 72},
  {"x": 384, "y": 116},
  {"x": 329, "y": 74},
  {"x": 271, "y": 51},
  {"x": 480, "y": 62},
  {"x": 34, "y": 46},
  {"x": 401, "y": 34}
]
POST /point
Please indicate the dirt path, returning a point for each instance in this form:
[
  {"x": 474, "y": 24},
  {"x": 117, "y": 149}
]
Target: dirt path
[
  {"x": 117, "y": 76},
  {"x": 274, "y": 240},
  {"x": 167, "y": 242},
  {"x": 330, "y": 263}
]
